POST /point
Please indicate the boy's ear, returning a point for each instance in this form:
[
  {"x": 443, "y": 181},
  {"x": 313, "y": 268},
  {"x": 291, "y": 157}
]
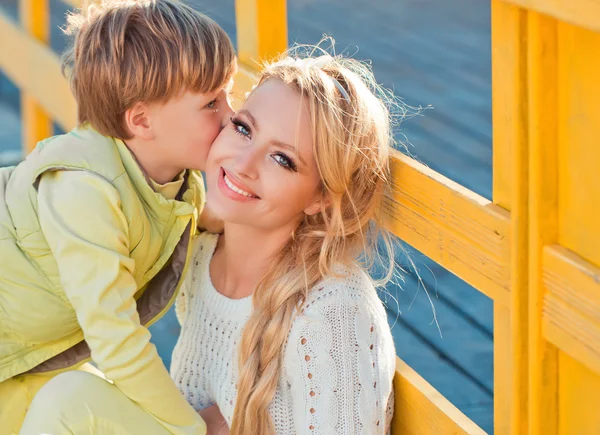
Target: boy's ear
[{"x": 137, "y": 120}]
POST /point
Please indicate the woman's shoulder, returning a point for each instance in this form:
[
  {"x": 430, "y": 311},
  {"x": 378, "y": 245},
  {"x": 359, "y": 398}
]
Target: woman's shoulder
[
  {"x": 203, "y": 244},
  {"x": 350, "y": 285},
  {"x": 347, "y": 303},
  {"x": 342, "y": 320}
]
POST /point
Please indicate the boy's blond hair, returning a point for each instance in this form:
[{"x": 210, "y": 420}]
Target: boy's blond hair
[{"x": 130, "y": 51}]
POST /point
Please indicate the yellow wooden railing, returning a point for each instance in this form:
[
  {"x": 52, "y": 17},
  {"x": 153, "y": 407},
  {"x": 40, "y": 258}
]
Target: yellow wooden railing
[{"x": 534, "y": 250}]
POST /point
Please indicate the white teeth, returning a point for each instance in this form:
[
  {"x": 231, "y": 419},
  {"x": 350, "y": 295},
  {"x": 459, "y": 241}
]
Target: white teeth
[{"x": 236, "y": 189}]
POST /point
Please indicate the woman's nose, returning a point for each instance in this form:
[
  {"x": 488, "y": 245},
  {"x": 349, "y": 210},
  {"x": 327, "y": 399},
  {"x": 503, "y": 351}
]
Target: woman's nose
[{"x": 246, "y": 162}]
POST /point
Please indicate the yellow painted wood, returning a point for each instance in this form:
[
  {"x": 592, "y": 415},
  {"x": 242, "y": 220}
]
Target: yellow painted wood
[
  {"x": 583, "y": 13},
  {"x": 572, "y": 305},
  {"x": 455, "y": 227},
  {"x": 420, "y": 409},
  {"x": 542, "y": 67},
  {"x": 36, "y": 125},
  {"x": 578, "y": 215},
  {"x": 243, "y": 82},
  {"x": 578, "y": 398},
  {"x": 510, "y": 190},
  {"x": 35, "y": 69},
  {"x": 504, "y": 399},
  {"x": 261, "y": 30},
  {"x": 579, "y": 154}
]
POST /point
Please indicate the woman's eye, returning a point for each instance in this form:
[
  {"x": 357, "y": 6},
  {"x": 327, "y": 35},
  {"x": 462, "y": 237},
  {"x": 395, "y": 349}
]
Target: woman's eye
[
  {"x": 240, "y": 127},
  {"x": 284, "y": 161}
]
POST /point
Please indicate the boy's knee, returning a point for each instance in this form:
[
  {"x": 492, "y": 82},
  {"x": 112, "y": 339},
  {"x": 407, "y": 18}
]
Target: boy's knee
[{"x": 67, "y": 390}]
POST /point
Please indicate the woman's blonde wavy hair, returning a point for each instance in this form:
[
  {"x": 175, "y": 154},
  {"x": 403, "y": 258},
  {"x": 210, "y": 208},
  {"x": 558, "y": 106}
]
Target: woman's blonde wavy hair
[{"x": 351, "y": 131}]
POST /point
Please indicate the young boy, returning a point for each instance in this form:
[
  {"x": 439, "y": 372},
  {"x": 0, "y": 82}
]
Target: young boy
[{"x": 95, "y": 224}]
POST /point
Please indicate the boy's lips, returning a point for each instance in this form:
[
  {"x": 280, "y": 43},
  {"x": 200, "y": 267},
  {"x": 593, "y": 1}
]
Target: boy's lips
[{"x": 235, "y": 189}]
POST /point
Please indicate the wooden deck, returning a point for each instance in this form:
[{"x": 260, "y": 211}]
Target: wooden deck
[{"x": 431, "y": 52}]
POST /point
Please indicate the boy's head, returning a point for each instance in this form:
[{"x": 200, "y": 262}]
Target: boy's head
[{"x": 135, "y": 58}]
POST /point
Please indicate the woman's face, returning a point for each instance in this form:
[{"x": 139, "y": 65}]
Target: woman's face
[{"x": 261, "y": 171}]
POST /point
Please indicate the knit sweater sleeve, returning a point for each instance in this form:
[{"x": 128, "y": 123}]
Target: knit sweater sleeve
[{"x": 339, "y": 361}]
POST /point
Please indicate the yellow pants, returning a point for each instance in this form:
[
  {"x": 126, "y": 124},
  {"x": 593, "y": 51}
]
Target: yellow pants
[
  {"x": 78, "y": 402},
  {"x": 17, "y": 393}
]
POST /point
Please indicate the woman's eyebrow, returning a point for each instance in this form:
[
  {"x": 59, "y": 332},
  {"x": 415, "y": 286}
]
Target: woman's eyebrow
[
  {"x": 291, "y": 148},
  {"x": 250, "y": 117}
]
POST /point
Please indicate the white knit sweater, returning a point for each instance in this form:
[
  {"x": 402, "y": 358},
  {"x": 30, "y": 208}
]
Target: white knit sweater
[{"x": 338, "y": 363}]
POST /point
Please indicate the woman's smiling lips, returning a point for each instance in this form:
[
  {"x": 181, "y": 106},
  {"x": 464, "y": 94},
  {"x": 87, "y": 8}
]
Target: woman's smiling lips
[{"x": 233, "y": 189}]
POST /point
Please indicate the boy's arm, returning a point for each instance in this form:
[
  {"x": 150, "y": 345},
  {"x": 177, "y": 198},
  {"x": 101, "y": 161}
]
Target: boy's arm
[{"x": 84, "y": 225}]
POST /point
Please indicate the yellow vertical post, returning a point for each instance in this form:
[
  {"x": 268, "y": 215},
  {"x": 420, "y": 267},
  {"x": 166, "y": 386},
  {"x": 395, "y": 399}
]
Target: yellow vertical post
[
  {"x": 509, "y": 97},
  {"x": 35, "y": 19},
  {"x": 261, "y": 30},
  {"x": 543, "y": 139},
  {"x": 578, "y": 204}
]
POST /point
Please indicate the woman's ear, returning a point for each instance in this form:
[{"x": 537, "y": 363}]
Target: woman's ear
[
  {"x": 137, "y": 120},
  {"x": 319, "y": 204}
]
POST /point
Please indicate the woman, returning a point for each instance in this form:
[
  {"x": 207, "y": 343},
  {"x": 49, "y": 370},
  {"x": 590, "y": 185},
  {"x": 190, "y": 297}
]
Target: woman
[{"x": 281, "y": 327}]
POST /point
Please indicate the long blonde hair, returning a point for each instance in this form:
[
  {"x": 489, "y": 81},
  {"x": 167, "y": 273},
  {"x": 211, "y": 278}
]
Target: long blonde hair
[{"x": 351, "y": 129}]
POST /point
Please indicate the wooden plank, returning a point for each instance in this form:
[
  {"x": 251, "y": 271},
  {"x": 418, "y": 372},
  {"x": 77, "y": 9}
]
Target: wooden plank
[
  {"x": 579, "y": 153},
  {"x": 456, "y": 228},
  {"x": 578, "y": 201},
  {"x": 543, "y": 169},
  {"x": 583, "y": 13},
  {"x": 578, "y": 398},
  {"x": 261, "y": 30},
  {"x": 504, "y": 397},
  {"x": 421, "y": 409},
  {"x": 36, "y": 124},
  {"x": 510, "y": 187},
  {"x": 34, "y": 68},
  {"x": 572, "y": 305}
]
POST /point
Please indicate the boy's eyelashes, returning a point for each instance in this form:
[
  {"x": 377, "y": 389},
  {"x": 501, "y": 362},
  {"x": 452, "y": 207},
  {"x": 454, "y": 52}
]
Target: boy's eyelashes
[{"x": 212, "y": 104}]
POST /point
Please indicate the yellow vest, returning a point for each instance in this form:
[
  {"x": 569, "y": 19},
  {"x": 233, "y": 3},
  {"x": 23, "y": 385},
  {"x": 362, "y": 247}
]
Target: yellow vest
[{"x": 32, "y": 301}]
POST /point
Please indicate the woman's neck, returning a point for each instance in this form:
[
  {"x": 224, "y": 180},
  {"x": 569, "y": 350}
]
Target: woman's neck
[{"x": 243, "y": 256}]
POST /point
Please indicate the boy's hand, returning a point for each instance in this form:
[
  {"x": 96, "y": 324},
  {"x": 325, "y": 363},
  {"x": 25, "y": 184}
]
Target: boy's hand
[
  {"x": 215, "y": 422},
  {"x": 209, "y": 222}
]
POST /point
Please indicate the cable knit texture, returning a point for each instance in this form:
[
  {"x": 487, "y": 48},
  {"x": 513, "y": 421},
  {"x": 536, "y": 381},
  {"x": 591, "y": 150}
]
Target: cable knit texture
[{"x": 338, "y": 363}]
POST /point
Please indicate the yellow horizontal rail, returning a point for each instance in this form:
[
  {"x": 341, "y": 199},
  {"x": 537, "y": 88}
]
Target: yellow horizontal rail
[
  {"x": 35, "y": 69},
  {"x": 420, "y": 409},
  {"x": 571, "y": 314},
  {"x": 452, "y": 225},
  {"x": 583, "y": 13}
]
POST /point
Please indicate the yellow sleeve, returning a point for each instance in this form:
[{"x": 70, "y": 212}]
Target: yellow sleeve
[{"x": 86, "y": 230}]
